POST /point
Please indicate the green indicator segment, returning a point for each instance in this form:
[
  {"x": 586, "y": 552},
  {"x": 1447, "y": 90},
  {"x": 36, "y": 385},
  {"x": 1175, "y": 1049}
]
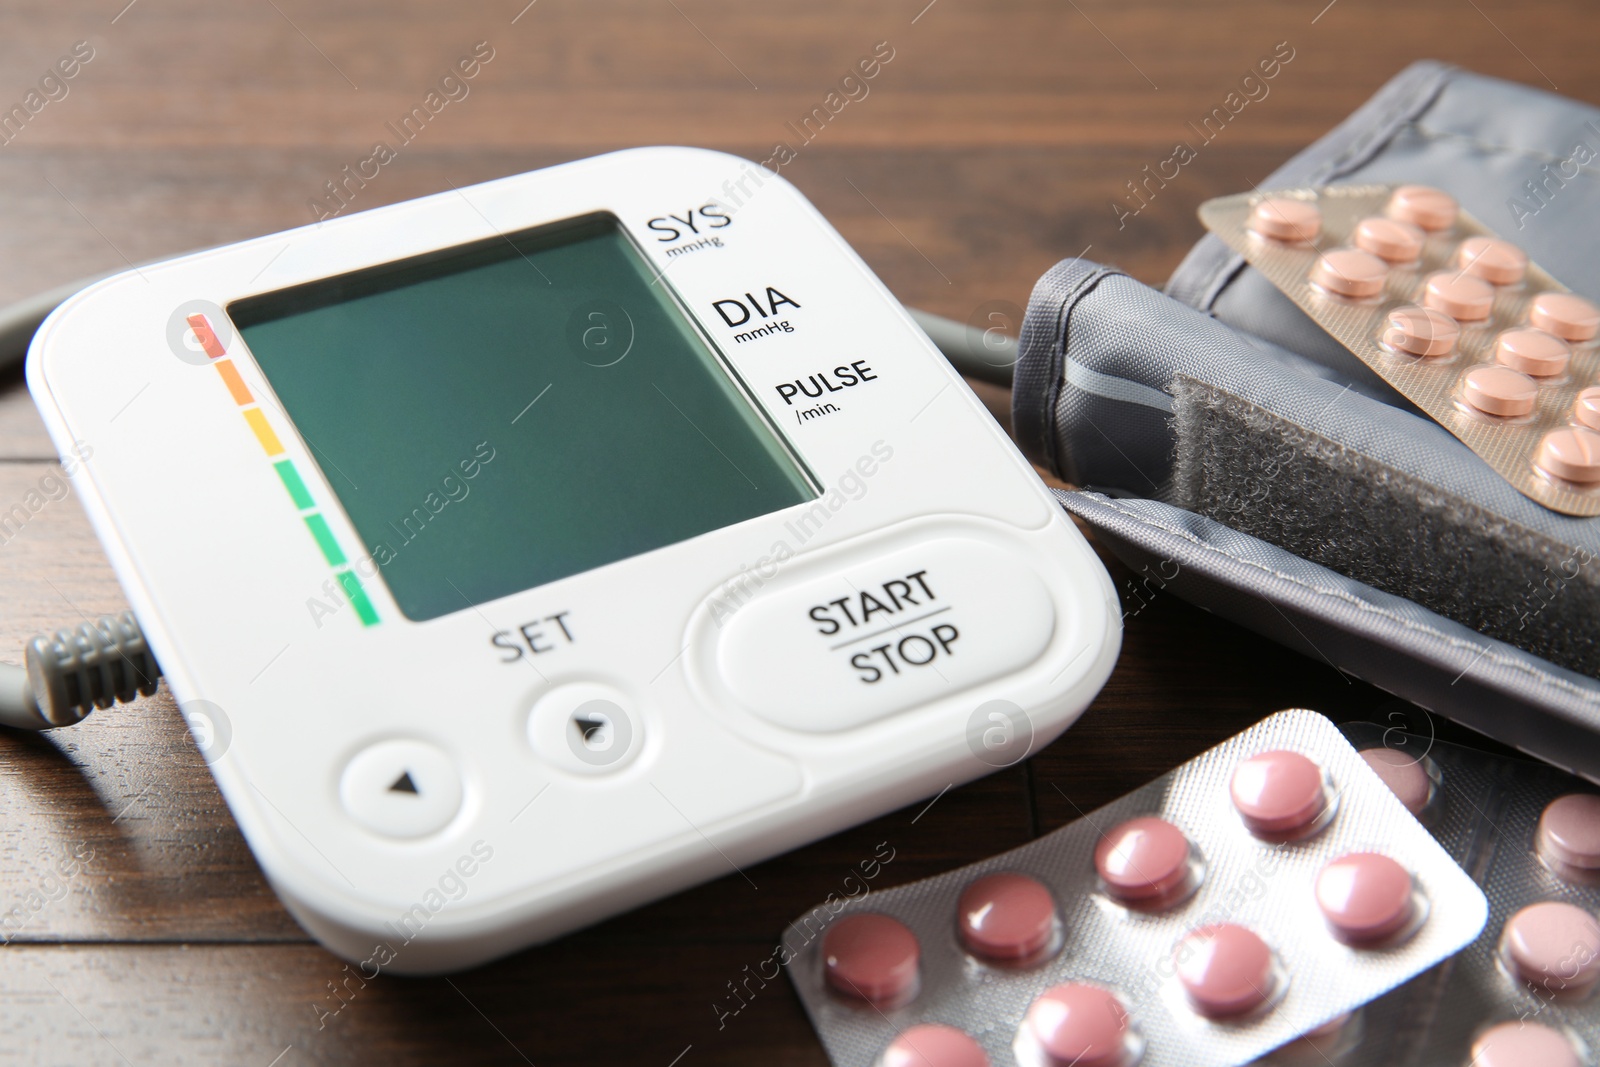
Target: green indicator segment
[
  {"x": 291, "y": 481},
  {"x": 358, "y": 597},
  {"x": 330, "y": 547}
]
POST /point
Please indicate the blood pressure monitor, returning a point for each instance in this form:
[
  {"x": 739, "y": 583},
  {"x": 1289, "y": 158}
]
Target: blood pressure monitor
[{"x": 529, "y": 551}]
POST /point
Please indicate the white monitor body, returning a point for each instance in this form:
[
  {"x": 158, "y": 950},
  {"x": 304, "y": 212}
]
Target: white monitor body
[{"x": 425, "y": 796}]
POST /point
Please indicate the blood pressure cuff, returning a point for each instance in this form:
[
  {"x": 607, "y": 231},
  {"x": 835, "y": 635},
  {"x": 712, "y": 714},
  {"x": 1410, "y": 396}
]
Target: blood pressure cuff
[{"x": 1232, "y": 453}]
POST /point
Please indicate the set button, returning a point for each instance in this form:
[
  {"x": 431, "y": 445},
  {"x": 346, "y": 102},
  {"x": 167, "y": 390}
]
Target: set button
[{"x": 585, "y": 728}]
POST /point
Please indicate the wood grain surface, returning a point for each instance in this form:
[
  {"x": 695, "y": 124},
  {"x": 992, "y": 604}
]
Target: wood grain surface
[{"x": 138, "y": 928}]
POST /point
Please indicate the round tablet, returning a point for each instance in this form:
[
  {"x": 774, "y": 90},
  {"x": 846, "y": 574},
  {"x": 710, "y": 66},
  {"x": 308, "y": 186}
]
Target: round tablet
[
  {"x": 1421, "y": 205},
  {"x": 1349, "y": 272},
  {"x": 1225, "y": 970},
  {"x": 1365, "y": 896},
  {"x": 1498, "y": 390},
  {"x": 1572, "y": 453},
  {"x": 1459, "y": 295},
  {"x": 1569, "y": 831},
  {"x": 1143, "y": 859},
  {"x": 1587, "y": 408},
  {"x": 1390, "y": 239},
  {"x": 1523, "y": 1044},
  {"x": 1420, "y": 331},
  {"x": 1403, "y": 774},
  {"x": 1286, "y": 220},
  {"x": 1081, "y": 1025},
  {"x": 1531, "y": 351},
  {"x": 872, "y": 957},
  {"x": 1566, "y": 315},
  {"x": 1553, "y": 945},
  {"x": 934, "y": 1045},
  {"x": 1278, "y": 792},
  {"x": 1006, "y": 916},
  {"x": 1492, "y": 259}
]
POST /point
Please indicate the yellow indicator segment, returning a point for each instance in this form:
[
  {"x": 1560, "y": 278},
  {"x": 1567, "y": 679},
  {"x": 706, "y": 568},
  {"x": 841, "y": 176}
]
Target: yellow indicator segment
[{"x": 264, "y": 432}]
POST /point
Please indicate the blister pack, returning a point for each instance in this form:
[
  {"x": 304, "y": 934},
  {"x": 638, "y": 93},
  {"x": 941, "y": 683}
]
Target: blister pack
[
  {"x": 1455, "y": 318},
  {"x": 1253, "y": 894},
  {"x": 1523, "y": 993}
]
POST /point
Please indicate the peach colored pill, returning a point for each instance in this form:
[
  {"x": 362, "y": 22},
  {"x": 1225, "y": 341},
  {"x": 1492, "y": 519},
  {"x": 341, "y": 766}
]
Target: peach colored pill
[
  {"x": 1420, "y": 331},
  {"x": 872, "y": 957},
  {"x": 1569, "y": 831},
  {"x": 1553, "y": 945},
  {"x": 1225, "y": 970},
  {"x": 1390, "y": 239},
  {"x": 934, "y": 1045},
  {"x": 1403, "y": 774},
  {"x": 1523, "y": 1044},
  {"x": 1543, "y": 355},
  {"x": 1286, "y": 220},
  {"x": 1006, "y": 916},
  {"x": 1492, "y": 259},
  {"x": 1278, "y": 792},
  {"x": 1079, "y": 1025},
  {"x": 1349, "y": 272},
  {"x": 1421, "y": 205},
  {"x": 1572, "y": 453},
  {"x": 1499, "y": 390},
  {"x": 1566, "y": 315},
  {"x": 1365, "y": 896},
  {"x": 1143, "y": 859},
  {"x": 1587, "y": 408},
  {"x": 1459, "y": 295}
]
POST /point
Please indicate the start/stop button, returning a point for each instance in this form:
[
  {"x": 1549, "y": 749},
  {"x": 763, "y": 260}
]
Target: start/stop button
[{"x": 883, "y": 634}]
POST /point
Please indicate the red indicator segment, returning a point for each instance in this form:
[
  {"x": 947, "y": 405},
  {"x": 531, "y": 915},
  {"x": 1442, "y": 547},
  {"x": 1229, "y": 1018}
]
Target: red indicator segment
[{"x": 206, "y": 336}]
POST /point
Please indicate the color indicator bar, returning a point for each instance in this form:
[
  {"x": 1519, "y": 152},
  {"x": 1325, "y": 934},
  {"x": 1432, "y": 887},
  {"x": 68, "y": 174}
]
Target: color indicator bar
[{"x": 288, "y": 473}]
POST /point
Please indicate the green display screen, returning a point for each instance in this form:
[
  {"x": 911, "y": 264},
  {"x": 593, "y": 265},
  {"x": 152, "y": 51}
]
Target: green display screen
[{"x": 506, "y": 413}]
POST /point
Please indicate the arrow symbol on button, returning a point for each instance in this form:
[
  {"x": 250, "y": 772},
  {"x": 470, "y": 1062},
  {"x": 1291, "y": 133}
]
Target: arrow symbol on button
[
  {"x": 404, "y": 784},
  {"x": 590, "y": 729}
]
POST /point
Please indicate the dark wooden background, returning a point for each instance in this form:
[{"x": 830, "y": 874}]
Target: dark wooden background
[{"x": 993, "y": 145}]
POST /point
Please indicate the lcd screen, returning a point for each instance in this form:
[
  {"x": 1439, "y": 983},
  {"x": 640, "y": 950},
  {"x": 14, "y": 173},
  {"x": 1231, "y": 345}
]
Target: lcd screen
[{"x": 503, "y": 414}]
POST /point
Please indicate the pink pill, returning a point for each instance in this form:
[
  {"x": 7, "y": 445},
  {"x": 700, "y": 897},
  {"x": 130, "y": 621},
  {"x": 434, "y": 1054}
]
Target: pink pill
[
  {"x": 1397, "y": 242},
  {"x": 934, "y": 1045},
  {"x": 1567, "y": 315},
  {"x": 1079, "y": 1025},
  {"x": 1365, "y": 896},
  {"x": 1523, "y": 1044},
  {"x": 1420, "y": 331},
  {"x": 1572, "y": 454},
  {"x": 1543, "y": 355},
  {"x": 1498, "y": 390},
  {"x": 1403, "y": 774},
  {"x": 1569, "y": 831},
  {"x": 1143, "y": 859},
  {"x": 1349, "y": 272},
  {"x": 1420, "y": 205},
  {"x": 1007, "y": 917},
  {"x": 1493, "y": 260},
  {"x": 1553, "y": 945},
  {"x": 1279, "y": 792},
  {"x": 1459, "y": 295},
  {"x": 872, "y": 957},
  {"x": 1587, "y": 408},
  {"x": 1225, "y": 970},
  {"x": 1286, "y": 220}
]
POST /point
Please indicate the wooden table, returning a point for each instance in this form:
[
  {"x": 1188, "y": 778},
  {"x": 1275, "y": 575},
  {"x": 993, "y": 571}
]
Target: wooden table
[{"x": 992, "y": 144}]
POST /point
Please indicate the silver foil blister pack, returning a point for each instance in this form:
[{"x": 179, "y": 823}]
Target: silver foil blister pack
[
  {"x": 1481, "y": 1007},
  {"x": 1455, "y": 318},
  {"x": 1143, "y": 951}
]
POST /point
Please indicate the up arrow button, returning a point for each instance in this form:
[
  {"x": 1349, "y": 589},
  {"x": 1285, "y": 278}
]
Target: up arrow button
[{"x": 401, "y": 788}]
